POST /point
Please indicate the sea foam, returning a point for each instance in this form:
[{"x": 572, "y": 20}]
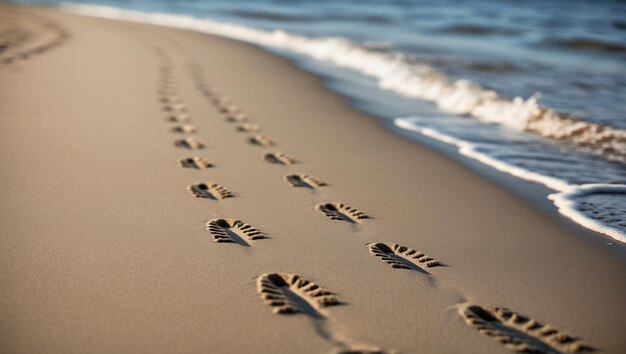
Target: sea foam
[{"x": 595, "y": 206}]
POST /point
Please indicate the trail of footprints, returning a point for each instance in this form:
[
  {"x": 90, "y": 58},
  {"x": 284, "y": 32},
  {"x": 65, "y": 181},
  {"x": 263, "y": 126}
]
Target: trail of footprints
[
  {"x": 291, "y": 294},
  {"x": 19, "y": 42},
  {"x": 172, "y": 104}
]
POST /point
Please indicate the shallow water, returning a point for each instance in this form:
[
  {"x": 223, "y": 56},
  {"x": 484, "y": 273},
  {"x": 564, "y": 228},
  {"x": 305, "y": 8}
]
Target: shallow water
[{"x": 535, "y": 90}]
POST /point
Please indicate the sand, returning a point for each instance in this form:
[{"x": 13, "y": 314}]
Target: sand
[{"x": 113, "y": 244}]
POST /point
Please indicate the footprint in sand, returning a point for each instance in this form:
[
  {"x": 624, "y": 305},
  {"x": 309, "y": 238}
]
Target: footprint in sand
[
  {"x": 290, "y": 294},
  {"x": 185, "y": 129},
  {"x": 221, "y": 99},
  {"x": 195, "y": 162},
  {"x": 261, "y": 140},
  {"x": 228, "y": 108},
  {"x": 169, "y": 99},
  {"x": 233, "y": 231},
  {"x": 209, "y": 190},
  {"x": 177, "y": 107},
  {"x": 401, "y": 257},
  {"x": 304, "y": 180},
  {"x": 278, "y": 158},
  {"x": 518, "y": 333},
  {"x": 178, "y": 118},
  {"x": 237, "y": 118},
  {"x": 248, "y": 127},
  {"x": 340, "y": 211},
  {"x": 189, "y": 143}
]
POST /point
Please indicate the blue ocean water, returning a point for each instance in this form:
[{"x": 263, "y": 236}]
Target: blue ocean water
[{"x": 536, "y": 89}]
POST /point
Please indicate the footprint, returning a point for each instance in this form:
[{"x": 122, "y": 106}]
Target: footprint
[
  {"x": 237, "y": 118},
  {"x": 178, "y": 118},
  {"x": 290, "y": 294},
  {"x": 401, "y": 257},
  {"x": 207, "y": 92},
  {"x": 261, "y": 140},
  {"x": 220, "y": 100},
  {"x": 177, "y": 107},
  {"x": 233, "y": 231},
  {"x": 340, "y": 211},
  {"x": 248, "y": 127},
  {"x": 195, "y": 162},
  {"x": 304, "y": 180},
  {"x": 229, "y": 108},
  {"x": 518, "y": 333},
  {"x": 279, "y": 158},
  {"x": 210, "y": 191},
  {"x": 189, "y": 143},
  {"x": 185, "y": 128},
  {"x": 162, "y": 91},
  {"x": 165, "y": 99}
]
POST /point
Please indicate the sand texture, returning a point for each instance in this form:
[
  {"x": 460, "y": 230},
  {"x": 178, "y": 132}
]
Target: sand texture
[{"x": 165, "y": 191}]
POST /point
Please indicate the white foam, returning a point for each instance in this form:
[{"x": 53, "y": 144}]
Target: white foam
[
  {"x": 568, "y": 198},
  {"x": 396, "y": 74},
  {"x": 569, "y": 201},
  {"x": 471, "y": 150}
]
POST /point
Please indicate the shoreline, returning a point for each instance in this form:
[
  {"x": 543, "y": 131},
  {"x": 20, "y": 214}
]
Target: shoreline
[
  {"x": 106, "y": 251},
  {"x": 564, "y": 194}
]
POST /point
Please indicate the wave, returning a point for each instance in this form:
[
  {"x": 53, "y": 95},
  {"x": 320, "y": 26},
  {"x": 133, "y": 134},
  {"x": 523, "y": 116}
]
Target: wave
[
  {"x": 578, "y": 204},
  {"x": 574, "y": 201},
  {"x": 395, "y": 73}
]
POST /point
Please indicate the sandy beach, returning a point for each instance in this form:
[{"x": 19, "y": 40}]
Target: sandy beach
[{"x": 166, "y": 191}]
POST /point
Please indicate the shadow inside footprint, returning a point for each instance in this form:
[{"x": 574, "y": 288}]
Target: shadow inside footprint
[
  {"x": 232, "y": 236},
  {"x": 296, "y": 300},
  {"x": 304, "y": 181},
  {"x": 396, "y": 261},
  {"x": 209, "y": 190},
  {"x": 195, "y": 163}
]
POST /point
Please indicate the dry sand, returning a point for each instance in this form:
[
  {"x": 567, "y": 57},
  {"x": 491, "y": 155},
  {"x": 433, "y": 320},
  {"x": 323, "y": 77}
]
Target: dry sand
[{"x": 105, "y": 246}]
